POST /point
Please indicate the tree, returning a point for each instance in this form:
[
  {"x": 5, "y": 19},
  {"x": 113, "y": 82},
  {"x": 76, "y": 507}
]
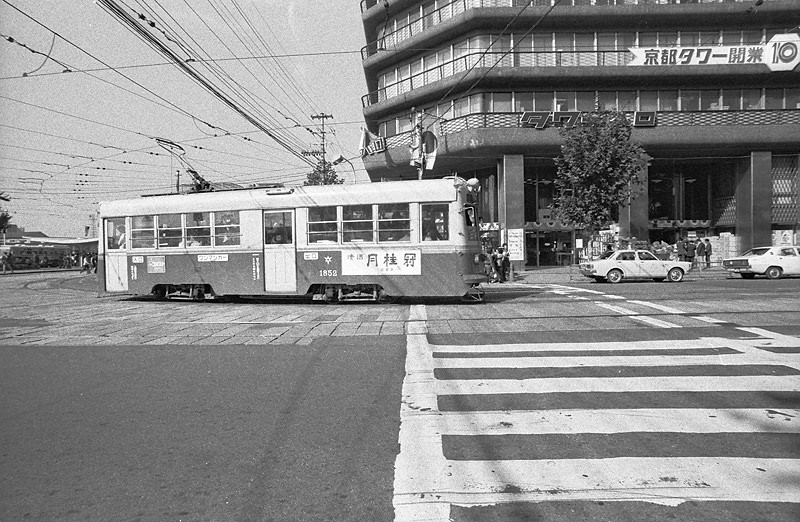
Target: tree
[
  {"x": 5, "y": 220},
  {"x": 598, "y": 171},
  {"x": 323, "y": 174},
  {"x": 5, "y": 217}
]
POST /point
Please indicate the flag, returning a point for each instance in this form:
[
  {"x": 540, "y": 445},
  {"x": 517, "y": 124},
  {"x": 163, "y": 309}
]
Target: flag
[{"x": 370, "y": 143}]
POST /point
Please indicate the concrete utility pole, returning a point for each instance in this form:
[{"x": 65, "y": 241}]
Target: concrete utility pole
[{"x": 322, "y": 116}]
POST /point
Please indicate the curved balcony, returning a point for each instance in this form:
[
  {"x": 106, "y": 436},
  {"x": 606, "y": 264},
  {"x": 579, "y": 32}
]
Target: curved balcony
[
  {"x": 478, "y": 139},
  {"x": 414, "y": 25},
  {"x": 523, "y": 67}
]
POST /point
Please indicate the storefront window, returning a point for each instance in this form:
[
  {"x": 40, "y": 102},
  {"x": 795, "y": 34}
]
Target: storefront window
[
  {"x": 751, "y": 99},
  {"x": 648, "y": 101},
  {"x": 523, "y": 101},
  {"x": 773, "y": 99},
  {"x": 668, "y": 100},
  {"x": 543, "y": 101}
]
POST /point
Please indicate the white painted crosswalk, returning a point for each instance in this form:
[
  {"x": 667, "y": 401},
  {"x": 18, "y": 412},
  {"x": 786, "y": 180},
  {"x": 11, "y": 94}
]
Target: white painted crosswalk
[{"x": 665, "y": 422}]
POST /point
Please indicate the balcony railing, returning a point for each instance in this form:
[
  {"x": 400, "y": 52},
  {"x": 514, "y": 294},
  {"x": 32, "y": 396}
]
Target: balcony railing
[
  {"x": 367, "y": 4},
  {"x": 478, "y": 59},
  {"x": 451, "y": 9},
  {"x": 496, "y": 120}
]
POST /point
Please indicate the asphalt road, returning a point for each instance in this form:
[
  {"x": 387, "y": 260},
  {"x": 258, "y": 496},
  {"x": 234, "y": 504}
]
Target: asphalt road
[{"x": 129, "y": 409}]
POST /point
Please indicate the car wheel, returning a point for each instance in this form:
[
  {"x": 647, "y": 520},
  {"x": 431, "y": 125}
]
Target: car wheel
[
  {"x": 747, "y": 276},
  {"x": 774, "y": 272},
  {"x": 614, "y": 276},
  {"x": 675, "y": 275}
]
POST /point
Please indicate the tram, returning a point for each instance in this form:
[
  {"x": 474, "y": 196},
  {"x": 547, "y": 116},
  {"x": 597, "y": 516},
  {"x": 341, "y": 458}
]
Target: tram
[{"x": 371, "y": 241}]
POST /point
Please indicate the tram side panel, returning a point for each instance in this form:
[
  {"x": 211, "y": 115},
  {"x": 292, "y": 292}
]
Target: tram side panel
[{"x": 400, "y": 271}]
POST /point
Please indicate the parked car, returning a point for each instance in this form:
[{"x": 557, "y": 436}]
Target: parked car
[
  {"x": 614, "y": 266},
  {"x": 773, "y": 262}
]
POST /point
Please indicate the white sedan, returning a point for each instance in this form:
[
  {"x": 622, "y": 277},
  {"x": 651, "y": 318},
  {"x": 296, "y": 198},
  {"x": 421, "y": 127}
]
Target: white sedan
[
  {"x": 634, "y": 264},
  {"x": 772, "y": 262}
]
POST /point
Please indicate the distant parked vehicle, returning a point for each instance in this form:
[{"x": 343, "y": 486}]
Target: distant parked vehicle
[
  {"x": 615, "y": 266},
  {"x": 773, "y": 262}
]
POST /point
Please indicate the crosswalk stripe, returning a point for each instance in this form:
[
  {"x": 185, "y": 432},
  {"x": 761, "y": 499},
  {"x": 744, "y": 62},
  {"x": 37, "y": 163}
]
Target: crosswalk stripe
[
  {"x": 459, "y": 401},
  {"x": 623, "y": 384},
  {"x": 669, "y": 481},
  {"x": 728, "y": 420}
]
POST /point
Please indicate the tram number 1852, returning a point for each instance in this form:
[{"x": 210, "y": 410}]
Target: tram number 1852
[{"x": 328, "y": 273}]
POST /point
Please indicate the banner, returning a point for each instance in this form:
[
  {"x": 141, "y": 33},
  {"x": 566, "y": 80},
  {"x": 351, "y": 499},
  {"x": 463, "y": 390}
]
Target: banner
[{"x": 781, "y": 53}]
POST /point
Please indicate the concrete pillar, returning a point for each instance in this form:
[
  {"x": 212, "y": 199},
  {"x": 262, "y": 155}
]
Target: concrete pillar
[
  {"x": 634, "y": 218},
  {"x": 754, "y": 201},
  {"x": 511, "y": 195}
]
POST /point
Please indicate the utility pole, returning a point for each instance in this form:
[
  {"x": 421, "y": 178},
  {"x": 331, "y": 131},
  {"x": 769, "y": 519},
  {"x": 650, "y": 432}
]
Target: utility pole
[{"x": 322, "y": 116}]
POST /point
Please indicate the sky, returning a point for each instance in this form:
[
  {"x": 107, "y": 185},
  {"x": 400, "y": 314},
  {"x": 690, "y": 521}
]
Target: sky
[{"x": 90, "y": 111}]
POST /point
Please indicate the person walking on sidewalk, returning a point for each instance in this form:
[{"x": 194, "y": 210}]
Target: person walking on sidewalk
[
  {"x": 5, "y": 260},
  {"x": 707, "y": 252}
]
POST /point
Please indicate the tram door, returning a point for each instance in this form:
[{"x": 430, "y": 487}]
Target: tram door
[
  {"x": 280, "y": 272},
  {"x": 116, "y": 258}
]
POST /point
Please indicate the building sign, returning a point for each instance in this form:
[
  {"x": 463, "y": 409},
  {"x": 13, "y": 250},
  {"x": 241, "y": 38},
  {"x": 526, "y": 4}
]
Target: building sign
[
  {"x": 382, "y": 261},
  {"x": 568, "y": 119},
  {"x": 781, "y": 53},
  {"x": 371, "y": 143}
]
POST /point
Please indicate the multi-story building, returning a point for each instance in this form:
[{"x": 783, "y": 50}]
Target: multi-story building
[{"x": 711, "y": 86}]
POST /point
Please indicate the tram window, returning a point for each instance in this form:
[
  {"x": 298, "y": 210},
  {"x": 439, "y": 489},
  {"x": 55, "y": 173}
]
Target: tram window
[
  {"x": 143, "y": 232},
  {"x": 198, "y": 229},
  {"x": 115, "y": 233},
  {"x": 322, "y": 225},
  {"x": 278, "y": 228},
  {"x": 357, "y": 223},
  {"x": 393, "y": 222},
  {"x": 170, "y": 231},
  {"x": 435, "y": 224},
  {"x": 226, "y": 228}
]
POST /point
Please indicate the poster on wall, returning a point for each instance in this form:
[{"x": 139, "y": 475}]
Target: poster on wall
[{"x": 516, "y": 244}]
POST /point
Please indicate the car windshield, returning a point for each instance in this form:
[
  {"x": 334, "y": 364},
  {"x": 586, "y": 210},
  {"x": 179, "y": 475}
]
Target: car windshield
[
  {"x": 756, "y": 252},
  {"x": 606, "y": 254}
]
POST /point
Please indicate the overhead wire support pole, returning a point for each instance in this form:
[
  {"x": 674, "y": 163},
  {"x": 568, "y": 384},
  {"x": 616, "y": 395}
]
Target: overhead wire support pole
[{"x": 322, "y": 116}]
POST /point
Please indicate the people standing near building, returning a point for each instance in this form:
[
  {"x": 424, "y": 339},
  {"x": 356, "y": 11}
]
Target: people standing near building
[
  {"x": 5, "y": 260},
  {"x": 680, "y": 246},
  {"x": 691, "y": 248},
  {"x": 505, "y": 263},
  {"x": 700, "y": 253},
  {"x": 708, "y": 253}
]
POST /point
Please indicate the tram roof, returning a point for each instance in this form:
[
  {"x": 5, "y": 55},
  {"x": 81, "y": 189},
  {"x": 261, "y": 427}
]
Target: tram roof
[{"x": 419, "y": 191}]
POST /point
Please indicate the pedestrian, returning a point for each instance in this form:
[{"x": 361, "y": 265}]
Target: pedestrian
[
  {"x": 94, "y": 263},
  {"x": 85, "y": 265},
  {"x": 5, "y": 260},
  {"x": 505, "y": 264},
  {"x": 700, "y": 253},
  {"x": 707, "y": 252},
  {"x": 680, "y": 246},
  {"x": 690, "y": 251}
]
